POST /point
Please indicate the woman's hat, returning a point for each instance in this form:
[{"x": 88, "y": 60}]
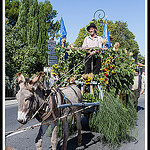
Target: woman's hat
[{"x": 91, "y": 25}]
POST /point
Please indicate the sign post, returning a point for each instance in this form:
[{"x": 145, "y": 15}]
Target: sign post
[{"x": 52, "y": 58}]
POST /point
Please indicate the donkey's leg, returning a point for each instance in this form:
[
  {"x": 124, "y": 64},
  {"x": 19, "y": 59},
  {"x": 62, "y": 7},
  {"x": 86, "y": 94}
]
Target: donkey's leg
[
  {"x": 78, "y": 118},
  {"x": 54, "y": 138},
  {"x": 38, "y": 140},
  {"x": 66, "y": 133}
]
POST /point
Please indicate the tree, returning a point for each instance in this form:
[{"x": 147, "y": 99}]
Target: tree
[
  {"x": 33, "y": 23},
  {"x": 52, "y": 28},
  {"x": 20, "y": 58},
  {"x": 43, "y": 34},
  {"x": 26, "y": 42},
  {"x": 119, "y": 32},
  {"x": 12, "y": 11},
  {"x": 141, "y": 59},
  {"x": 21, "y": 25}
]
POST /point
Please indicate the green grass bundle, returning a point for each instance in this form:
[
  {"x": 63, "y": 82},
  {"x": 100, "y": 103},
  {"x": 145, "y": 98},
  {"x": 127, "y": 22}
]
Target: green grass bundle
[
  {"x": 72, "y": 128},
  {"x": 113, "y": 120}
]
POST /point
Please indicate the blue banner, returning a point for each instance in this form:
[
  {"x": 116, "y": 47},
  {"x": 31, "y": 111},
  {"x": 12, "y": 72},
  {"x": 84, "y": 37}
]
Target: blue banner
[
  {"x": 63, "y": 31},
  {"x": 106, "y": 35}
]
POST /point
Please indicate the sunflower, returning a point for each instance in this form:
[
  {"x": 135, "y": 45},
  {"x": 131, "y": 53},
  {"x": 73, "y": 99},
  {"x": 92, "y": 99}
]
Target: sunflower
[
  {"x": 87, "y": 82},
  {"x": 101, "y": 79},
  {"x": 112, "y": 66},
  {"x": 120, "y": 57},
  {"x": 133, "y": 60},
  {"x": 54, "y": 74},
  {"x": 106, "y": 82},
  {"x": 107, "y": 66},
  {"x": 112, "y": 71},
  {"x": 55, "y": 66},
  {"x": 108, "y": 61},
  {"x": 103, "y": 63},
  {"x": 111, "y": 57}
]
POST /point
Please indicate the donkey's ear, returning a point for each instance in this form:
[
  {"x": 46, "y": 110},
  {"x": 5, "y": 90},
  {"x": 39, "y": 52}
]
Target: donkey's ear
[
  {"x": 21, "y": 78},
  {"x": 35, "y": 79}
]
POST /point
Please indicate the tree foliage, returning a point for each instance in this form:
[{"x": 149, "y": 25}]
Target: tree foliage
[
  {"x": 21, "y": 58},
  {"x": 26, "y": 41},
  {"x": 141, "y": 59},
  {"x": 12, "y": 11},
  {"x": 52, "y": 27},
  {"x": 33, "y": 23}
]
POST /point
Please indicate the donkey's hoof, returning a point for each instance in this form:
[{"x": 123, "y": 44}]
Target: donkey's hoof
[{"x": 79, "y": 143}]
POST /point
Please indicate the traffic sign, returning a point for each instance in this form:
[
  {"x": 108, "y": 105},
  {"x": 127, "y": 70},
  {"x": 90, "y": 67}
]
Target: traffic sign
[
  {"x": 51, "y": 53},
  {"x": 47, "y": 69},
  {"x": 51, "y": 42},
  {"x": 51, "y": 62},
  {"x": 51, "y": 47},
  {"x": 52, "y": 57}
]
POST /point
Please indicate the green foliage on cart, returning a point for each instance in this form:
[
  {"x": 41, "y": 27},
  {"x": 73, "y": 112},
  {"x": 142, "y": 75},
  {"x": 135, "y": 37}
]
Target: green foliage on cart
[
  {"x": 117, "y": 69},
  {"x": 115, "y": 122}
]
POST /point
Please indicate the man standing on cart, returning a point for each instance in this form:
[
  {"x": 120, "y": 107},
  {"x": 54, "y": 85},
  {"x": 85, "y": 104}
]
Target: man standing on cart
[{"x": 90, "y": 42}]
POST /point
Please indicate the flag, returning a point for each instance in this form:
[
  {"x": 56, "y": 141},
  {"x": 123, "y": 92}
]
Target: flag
[
  {"x": 106, "y": 34},
  {"x": 63, "y": 31},
  {"x": 66, "y": 55}
]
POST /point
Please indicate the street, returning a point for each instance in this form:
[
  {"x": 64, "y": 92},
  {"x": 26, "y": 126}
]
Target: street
[{"x": 25, "y": 140}]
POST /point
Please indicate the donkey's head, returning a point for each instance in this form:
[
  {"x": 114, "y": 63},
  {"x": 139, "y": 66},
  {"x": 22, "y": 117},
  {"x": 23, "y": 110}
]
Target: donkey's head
[{"x": 26, "y": 97}]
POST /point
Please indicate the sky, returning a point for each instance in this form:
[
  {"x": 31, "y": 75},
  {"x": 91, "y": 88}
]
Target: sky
[{"x": 78, "y": 13}]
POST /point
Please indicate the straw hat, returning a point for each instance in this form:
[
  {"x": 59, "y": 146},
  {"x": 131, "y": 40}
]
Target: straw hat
[{"x": 91, "y": 25}]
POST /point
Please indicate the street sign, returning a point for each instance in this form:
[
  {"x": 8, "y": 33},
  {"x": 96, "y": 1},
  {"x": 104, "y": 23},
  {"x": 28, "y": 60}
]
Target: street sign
[
  {"x": 51, "y": 62},
  {"x": 52, "y": 42},
  {"x": 52, "y": 57},
  {"x": 51, "y": 53},
  {"x": 47, "y": 69},
  {"x": 51, "y": 47}
]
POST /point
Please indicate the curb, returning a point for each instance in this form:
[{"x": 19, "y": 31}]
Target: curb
[{"x": 10, "y": 98}]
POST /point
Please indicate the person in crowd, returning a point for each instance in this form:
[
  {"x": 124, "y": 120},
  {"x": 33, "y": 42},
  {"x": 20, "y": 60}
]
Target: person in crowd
[
  {"x": 90, "y": 42},
  {"x": 136, "y": 88},
  {"x": 143, "y": 83}
]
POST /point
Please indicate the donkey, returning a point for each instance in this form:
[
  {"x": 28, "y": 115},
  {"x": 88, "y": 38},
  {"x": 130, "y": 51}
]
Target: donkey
[{"x": 30, "y": 97}]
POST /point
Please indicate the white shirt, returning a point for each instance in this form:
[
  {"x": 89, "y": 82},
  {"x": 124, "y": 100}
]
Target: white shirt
[
  {"x": 136, "y": 81},
  {"x": 92, "y": 42}
]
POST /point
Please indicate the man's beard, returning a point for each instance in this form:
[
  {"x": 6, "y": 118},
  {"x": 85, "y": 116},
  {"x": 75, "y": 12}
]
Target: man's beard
[{"x": 92, "y": 33}]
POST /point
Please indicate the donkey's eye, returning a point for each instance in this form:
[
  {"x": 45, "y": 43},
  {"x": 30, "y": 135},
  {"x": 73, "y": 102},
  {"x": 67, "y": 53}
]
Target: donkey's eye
[{"x": 27, "y": 99}]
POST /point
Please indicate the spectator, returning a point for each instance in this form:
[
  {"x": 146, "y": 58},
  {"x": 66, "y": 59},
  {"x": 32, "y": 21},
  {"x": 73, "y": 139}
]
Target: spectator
[
  {"x": 136, "y": 88},
  {"x": 143, "y": 83}
]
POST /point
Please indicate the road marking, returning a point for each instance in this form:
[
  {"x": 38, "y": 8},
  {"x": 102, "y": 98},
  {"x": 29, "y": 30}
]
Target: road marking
[
  {"x": 17, "y": 132},
  {"x": 10, "y": 102}
]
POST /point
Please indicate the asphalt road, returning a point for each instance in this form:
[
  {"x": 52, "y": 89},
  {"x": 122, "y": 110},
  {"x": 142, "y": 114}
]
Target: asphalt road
[{"x": 25, "y": 140}]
